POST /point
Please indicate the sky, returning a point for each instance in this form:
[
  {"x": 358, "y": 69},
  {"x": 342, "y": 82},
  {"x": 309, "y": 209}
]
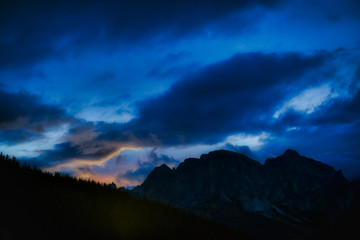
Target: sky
[{"x": 108, "y": 90}]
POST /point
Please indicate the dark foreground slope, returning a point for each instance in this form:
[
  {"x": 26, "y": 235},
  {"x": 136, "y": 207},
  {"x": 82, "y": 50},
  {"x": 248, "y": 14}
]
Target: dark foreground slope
[
  {"x": 289, "y": 197},
  {"x": 37, "y": 205}
]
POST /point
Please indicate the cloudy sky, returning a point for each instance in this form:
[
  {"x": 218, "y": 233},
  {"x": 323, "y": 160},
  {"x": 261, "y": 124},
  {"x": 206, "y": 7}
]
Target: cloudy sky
[{"x": 108, "y": 90}]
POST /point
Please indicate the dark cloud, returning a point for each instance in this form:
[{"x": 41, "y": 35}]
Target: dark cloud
[
  {"x": 62, "y": 152},
  {"x": 239, "y": 94},
  {"x": 123, "y": 134},
  {"x": 93, "y": 141},
  {"x": 25, "y": 105},
  {"x": 34, "y": 30},
  {"x": 339, "y": 111},
  {"x": 24, "y": 116},
  {"x": 10, "y": 137}
]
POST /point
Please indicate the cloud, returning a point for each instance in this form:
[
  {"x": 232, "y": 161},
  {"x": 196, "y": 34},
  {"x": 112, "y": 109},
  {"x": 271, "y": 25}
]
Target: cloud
[
  {"x": 335, "y": 112},
  {"x": 10, "y": 137},
  {"x": 240, "y": 149},
  {"x": 77, "y": 143},
  {"x": 155, "y": 159},
  {"x": 136, "y": 175},
  {"x": 307, "y": 101},
  {"x": 119, "y": 158},
  {"x": 85, "y": 170},
  {"x": 94, "y": 142},
  {"x": 25, "y": 105},
  {"x": 66, "y": 151},
  {"x": 33, "y": 31},
  {"x": 330, "y": 134},
  {"x": 234, "y": 95},
  {"x": 145, "y": 167},
  {"x": 24, "y": 116}
]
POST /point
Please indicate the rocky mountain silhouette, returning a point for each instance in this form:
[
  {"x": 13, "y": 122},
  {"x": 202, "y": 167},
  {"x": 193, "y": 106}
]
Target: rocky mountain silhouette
[{"x": 285, "y": 197}]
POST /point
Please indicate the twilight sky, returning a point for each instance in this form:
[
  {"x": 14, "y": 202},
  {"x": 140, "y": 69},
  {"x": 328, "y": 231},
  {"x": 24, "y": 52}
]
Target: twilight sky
[{"x": 108, "y": 90}]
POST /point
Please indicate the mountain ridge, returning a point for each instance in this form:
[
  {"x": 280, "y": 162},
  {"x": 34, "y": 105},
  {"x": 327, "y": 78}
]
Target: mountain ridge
[{"x": 290, "y": 189}]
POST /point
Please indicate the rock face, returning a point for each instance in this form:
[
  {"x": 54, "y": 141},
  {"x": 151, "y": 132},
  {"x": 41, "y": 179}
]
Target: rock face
[
  {"x": 298, "y": 185},
  {"x": 289, "y": 188}
]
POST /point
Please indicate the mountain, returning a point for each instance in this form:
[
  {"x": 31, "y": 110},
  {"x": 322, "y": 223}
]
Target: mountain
[
  {"x": 41, "y": 205},
  {"x": 288, "y": 196}
]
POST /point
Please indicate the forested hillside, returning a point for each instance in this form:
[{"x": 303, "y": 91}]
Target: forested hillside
[{"x": 40, "y": 205}]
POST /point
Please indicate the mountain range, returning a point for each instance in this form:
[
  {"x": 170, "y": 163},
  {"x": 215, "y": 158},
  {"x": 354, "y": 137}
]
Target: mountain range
[{"x": 287, "y": 197}]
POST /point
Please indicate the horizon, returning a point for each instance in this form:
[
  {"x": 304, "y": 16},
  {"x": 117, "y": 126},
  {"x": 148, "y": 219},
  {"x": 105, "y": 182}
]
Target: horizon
[{"x": 109, "y": 90}]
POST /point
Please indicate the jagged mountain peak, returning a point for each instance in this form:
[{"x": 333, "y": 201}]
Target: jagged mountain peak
[
  {"x": 157, "y": 176},
  {"x": 229, "y": 156},
  {"x": 292, "y": 161},
  {"x": 160, "y": 171},
  {"x": 163, "y": 167},
  {"x": 222, "y": 152},
  {"x": 288, "y": 158},
  {"x": 291, "y": 153}
]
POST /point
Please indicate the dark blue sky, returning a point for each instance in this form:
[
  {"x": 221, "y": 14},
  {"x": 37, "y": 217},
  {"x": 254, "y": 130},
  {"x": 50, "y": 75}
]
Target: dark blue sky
[{"x": 110, "y": 89}]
